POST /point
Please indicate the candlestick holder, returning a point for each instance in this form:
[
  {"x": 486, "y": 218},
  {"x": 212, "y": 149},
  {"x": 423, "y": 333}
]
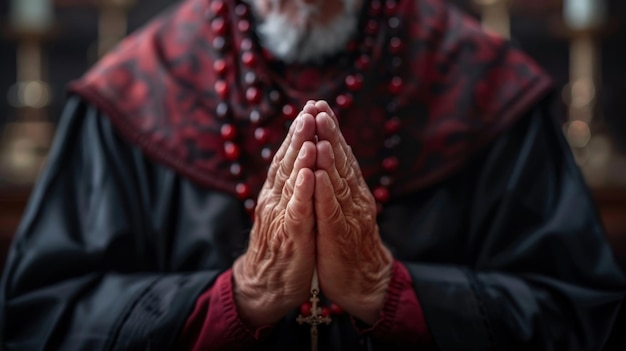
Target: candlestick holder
[
  {"x": 25, "y": 142},
  {"x": 495, "y": 16},
  {"x": 112, "y": 23},
  {"x": 586, "y": 132}
]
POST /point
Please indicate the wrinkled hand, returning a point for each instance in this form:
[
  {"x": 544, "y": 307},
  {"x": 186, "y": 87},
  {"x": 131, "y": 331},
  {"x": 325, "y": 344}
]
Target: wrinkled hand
[
  {"x": 354, "y": 266},
  {"x": 274, "y": 275}
]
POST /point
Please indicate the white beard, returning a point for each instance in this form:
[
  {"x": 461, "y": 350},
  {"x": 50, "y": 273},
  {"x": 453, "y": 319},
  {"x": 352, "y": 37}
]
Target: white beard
[{"x": 297, "y": 44}]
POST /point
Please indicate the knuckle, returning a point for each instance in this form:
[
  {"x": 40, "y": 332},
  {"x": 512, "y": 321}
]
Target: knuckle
[
  {"x": 349, "y": 174},
  {"x": 284, "y": 170},
  {"x": 343, "y": 192},
  {"x": 346, "y": 165},
  {"x": 287, "y": 190},
  {"x": 335, "y": 215}
]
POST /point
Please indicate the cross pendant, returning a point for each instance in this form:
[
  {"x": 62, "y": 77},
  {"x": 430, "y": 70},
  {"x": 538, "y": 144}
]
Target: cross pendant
[{"x": 316, "y": 317}]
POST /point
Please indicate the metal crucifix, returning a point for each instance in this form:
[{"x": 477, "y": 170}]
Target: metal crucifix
[{"x": 315, "y": 318}]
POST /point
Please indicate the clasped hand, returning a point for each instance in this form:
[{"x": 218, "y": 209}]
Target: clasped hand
[{"x": 315, "y": 209}]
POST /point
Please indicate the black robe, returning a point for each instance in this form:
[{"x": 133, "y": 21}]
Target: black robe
[{"x": 506, "y": 254}]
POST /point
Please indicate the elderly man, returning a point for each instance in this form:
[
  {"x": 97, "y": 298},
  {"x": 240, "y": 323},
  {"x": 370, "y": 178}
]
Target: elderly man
[{"x": 202, "y": 194}]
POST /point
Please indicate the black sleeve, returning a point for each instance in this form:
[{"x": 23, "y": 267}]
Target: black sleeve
[
  {"x": 100, "y": 260},
  {"x": 535, "y": 271}
]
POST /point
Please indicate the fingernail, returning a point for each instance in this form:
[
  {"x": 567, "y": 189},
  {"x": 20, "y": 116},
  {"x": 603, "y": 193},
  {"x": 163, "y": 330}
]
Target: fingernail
[
  {"x": 302, "y": 153},
  {"x": 330, "y": 122},
  {"x": 299, "y": 124},
  {"x": 300, "y": 179}
]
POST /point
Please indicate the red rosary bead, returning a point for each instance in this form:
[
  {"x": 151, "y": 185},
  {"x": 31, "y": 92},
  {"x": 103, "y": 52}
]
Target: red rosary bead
[
  {"x": 354, "y": 82},
  {"x": 305, "y": 309},
  {"x": 381, "y": 194},
  {"x": 221, "y": 88},
  {"x": 218, "y": 26},
  {"x": 220, "y": 66},
  {"x": 249, "y": 59},
  {"x": 344, "y": 101},
  {"x": 289, "y": 111},
  {"x": 335, "y": 309},
  {"x": 363, "y": 62},
  {"x": 242, "y": 190},
  {"x": 390, "y": 164},
  {"x": 218, "y": 7},
  {"x": 228, "y": 131},
  {"x": 396, "y": 85},
  {"x": 325, "y": 312},
  {"x": 231, "y": 151},
  {"x": 253, "y": 95},
  {"x": 392, "y": 126}
]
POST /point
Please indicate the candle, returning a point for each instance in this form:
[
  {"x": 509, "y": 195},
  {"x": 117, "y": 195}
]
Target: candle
[
  {"x": 584, "y": 14},
  {"x": 31, "y": 15}
]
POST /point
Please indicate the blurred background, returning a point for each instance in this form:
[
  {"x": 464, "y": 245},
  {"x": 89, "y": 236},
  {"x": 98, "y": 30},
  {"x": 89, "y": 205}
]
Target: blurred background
[{"x": 44, "y": 44}]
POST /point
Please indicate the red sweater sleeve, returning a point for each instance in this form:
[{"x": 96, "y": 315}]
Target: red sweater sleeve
[
  {"x": 402, "y": 320},
  {"x": 214, "y": 324}
]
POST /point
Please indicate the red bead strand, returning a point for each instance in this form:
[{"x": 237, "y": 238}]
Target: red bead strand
[{"x": 381, "y": 13}]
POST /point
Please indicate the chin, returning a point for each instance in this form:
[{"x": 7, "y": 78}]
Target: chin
[{"x": 304, "y": 38}]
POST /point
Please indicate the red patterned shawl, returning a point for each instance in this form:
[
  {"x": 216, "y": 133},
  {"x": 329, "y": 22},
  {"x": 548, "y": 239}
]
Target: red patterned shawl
[{"x": 462, "y": 87}]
